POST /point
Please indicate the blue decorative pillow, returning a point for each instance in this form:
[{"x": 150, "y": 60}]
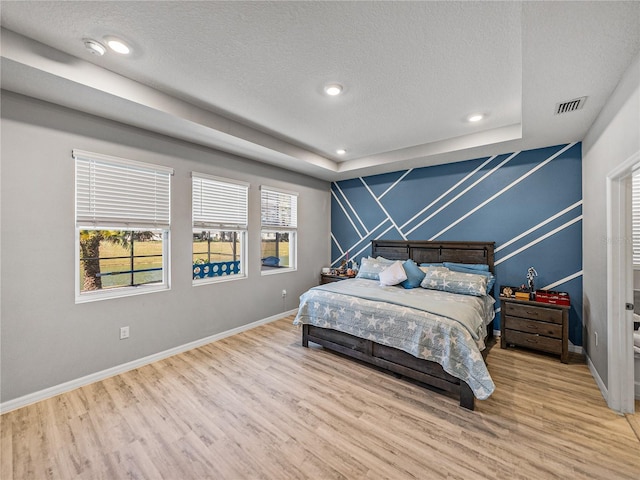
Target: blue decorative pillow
[
  {"x": 459, "y": 267},
  {"x": 414, "y": 274},
  {"x": 483, "y": 267},
  {"x": 455, "y": 282},
  {"x": 271, "y": 261},
  {"x": 370, "y": 268}
]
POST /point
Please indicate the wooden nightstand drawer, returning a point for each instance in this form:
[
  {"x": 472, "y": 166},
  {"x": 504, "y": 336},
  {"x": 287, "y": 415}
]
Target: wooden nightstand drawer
[
  {"x": 539, "y": 342},
  {"x": 541, "y": 328},
  {"x": 534, "y": 312}
]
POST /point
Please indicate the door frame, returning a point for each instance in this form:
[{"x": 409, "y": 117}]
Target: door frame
[{"x": 620, "y": 388}]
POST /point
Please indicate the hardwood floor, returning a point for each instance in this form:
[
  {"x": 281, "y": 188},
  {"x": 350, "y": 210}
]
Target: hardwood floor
[{"x": 259, "y": 405}]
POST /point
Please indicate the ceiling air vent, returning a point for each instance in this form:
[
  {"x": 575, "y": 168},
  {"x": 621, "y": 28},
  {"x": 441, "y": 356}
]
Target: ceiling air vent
[{"x": 570, "y": 106}]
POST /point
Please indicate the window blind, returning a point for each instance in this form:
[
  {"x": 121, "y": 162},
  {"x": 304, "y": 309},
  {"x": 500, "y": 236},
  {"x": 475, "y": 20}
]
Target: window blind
[
  {"x": 119, "y": 193},
  {"x": 635, "y": 217},
  {"x": 219, "y": 203},
  {"x": 279, "y": 208}
]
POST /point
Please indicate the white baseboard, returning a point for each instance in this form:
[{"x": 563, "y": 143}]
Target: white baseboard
[
  {"x": 125, "y": 367},
  {"x": 599, "y": 382},
  {"x": 575, "y": 348}
]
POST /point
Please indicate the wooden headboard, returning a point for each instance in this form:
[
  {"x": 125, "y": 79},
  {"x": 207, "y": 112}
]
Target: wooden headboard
[{"x": 425, "y": 251}]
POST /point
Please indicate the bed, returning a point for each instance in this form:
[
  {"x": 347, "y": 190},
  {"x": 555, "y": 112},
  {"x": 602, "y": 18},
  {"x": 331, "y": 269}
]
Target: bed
[{"x": 362, "y": 320}]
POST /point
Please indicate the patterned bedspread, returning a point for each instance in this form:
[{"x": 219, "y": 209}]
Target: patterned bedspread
[{"x": 443, "y": 327}]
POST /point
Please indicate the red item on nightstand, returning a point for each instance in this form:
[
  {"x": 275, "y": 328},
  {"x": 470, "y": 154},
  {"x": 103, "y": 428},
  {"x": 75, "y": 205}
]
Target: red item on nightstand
[{"x": 555, "y": 298}]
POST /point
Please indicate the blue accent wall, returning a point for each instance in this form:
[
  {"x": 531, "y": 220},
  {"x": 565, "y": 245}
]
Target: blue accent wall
[{"x": 529, "y": 203}]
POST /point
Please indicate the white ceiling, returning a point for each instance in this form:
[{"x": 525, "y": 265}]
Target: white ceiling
[{"x": 248, "y": 77}]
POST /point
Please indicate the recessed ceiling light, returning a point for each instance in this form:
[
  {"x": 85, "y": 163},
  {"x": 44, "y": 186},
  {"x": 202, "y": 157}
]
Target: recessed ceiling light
[
  {"x": 333, "y": 89},
  {"x": 118, "y": 46},
  {"x": 341, "y": 151},
  {"x": 95, "y": 48},
  {"x": 475, "y": 117}
]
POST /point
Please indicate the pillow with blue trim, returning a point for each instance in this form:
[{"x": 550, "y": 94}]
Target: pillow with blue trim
[
  {"x": 455, "y": 282},
  {"x": 414, "y": 274},
  {"x": 463, "y": 268},
  {"x": 370, "y": 268}
]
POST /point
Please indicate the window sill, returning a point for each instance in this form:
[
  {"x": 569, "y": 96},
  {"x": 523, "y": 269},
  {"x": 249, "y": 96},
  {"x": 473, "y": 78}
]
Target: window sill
[
  {"x": 118, "y": 293},
  {"x": 276, "y": 271},
  {"x": 221, "y": 279}
]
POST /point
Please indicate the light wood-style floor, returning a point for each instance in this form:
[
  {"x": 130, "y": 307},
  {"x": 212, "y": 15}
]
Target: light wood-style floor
[{"x": 260, "y": 406}]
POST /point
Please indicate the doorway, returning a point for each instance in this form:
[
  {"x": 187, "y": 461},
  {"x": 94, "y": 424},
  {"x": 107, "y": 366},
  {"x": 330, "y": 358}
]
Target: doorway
[{"x": 620, "y": 366}]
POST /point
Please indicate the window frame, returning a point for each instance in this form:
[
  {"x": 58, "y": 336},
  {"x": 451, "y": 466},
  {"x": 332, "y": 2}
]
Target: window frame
[
  {"x": 127, "y": 290},
  {"x": 212, "y": 224},
  {"x": 280, "y": 224},
  {"x": 88, "y": 217}
]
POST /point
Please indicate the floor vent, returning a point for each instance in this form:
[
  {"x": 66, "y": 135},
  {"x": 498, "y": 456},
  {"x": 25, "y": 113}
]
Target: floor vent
[{"x": 570, "y": 106}]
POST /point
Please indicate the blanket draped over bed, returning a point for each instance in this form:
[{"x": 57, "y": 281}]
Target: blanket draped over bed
[{"x": 438, "y": 326}]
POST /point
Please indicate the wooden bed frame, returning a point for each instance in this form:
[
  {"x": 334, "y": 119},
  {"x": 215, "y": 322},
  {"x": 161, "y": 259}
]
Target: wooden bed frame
[{"x": 395, "y": 360}]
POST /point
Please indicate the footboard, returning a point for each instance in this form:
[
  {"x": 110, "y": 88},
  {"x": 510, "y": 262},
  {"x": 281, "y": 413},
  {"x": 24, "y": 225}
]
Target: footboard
[{"x": 389, "y": 359}]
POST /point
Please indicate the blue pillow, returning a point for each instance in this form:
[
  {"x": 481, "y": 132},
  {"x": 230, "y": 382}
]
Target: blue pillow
[
  {"x": 432, "y": 264},
  {"x": 271, "y": 261},
  {"x": 414, "y": 274},
  {"x": 483, "y": 267},
  {"x": 459, "y": 267}
]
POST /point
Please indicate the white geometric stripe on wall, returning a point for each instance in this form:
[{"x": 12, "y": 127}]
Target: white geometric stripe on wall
[
  {"x": 441, "y": 197},
  {"x": 538, "y": 226},
  {"x": 354, "y": 212}
]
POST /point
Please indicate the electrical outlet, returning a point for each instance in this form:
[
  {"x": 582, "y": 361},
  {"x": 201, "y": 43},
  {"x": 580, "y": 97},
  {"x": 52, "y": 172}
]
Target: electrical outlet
[
  {"x": 124, "y": 332},
  {"x": 284, "y": 293}
]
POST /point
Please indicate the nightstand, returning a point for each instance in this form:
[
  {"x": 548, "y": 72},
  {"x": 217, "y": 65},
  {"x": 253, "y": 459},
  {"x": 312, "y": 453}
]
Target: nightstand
[
  {"x": 328, "y": 278},
  {"x": 536, "y": 325}
]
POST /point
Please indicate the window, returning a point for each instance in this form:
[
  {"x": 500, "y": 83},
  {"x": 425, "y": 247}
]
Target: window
[
  {"x": 220, "y": 212},
  {"x": 635, "y": 214},
  {"x": 122, "y": 226},
  {"x": 279, "y": 217}
]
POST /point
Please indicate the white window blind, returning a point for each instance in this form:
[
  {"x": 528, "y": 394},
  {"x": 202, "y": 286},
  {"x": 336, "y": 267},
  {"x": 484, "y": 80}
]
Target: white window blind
[
  {"x": 120, "y": 193},
  {"x": 635, "y": 214},
  {"x": 219, "y": 203},
  {"x": 279, "y": 209}
]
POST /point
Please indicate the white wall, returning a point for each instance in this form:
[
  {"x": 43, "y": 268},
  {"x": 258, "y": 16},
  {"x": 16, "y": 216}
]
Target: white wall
[
  {"x": 46, "y": 339},
  {"x": 613, "y": 138}
]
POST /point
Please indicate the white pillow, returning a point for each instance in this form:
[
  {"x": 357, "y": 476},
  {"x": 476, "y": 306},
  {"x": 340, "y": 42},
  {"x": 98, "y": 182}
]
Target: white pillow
[{"x": 393, "y": 274}]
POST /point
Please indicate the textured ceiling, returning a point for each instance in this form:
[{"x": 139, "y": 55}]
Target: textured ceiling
[{"x": 248, "y": 77}]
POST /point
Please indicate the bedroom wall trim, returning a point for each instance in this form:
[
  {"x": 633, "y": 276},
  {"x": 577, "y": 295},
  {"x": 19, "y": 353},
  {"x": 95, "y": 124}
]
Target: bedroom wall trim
[
  {"x": 125, "y": 367},
  {"x": 596, "y": 377}
]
